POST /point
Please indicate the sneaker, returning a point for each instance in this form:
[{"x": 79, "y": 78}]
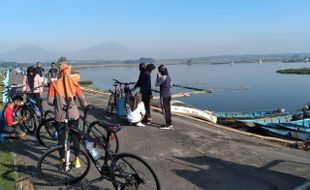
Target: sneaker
[
  {"x": 170, "y": 126},
  {"x": 164, "y": 127},
  {"x": 64, "y": 167},
  {"x": 140, "y": 124},
  {"x": 77, "y": 163},
  {"x": 3, "y": 138}
]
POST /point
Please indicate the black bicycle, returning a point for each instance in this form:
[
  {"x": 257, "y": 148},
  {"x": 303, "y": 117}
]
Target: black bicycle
[
  {"x": 121, "y": 90},
  {"x": 47, "y": 132},
  {"x": 124, "y": 170}
]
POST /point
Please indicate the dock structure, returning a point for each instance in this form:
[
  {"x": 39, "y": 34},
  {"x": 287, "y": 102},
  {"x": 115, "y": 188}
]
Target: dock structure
[{"x": 192, "y": 155}]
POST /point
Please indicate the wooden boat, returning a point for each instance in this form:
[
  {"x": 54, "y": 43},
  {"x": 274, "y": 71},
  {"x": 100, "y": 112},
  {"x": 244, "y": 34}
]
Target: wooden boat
[
  {"x": 182, "y": 108},
  {"x": 298, "y": 130},
  {"x": 231, "y": 117},
  {"x": 275, "y": 119}
]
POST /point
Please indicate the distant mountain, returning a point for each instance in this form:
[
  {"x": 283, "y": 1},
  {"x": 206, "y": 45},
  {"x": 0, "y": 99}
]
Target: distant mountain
[
  {"x": 106, "y": 51},
  {"x": 28, "y": 54}
]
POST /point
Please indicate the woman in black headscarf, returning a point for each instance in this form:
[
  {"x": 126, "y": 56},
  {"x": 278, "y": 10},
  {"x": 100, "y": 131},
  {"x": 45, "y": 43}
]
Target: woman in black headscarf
[{"x": 163, "y": 80}]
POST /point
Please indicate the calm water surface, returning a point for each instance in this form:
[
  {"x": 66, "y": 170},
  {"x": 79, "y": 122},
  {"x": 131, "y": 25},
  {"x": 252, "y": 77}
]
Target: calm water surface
[{"x": 267, "y": 89}]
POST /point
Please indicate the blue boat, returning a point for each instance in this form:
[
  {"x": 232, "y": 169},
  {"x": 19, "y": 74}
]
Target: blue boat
[
  {"x": 244, "y": 114},
  {"x": 265, "y": 120},
  {"x": 297, "y": 130}
]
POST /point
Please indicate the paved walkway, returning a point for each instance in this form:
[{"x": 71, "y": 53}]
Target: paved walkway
[{"x": 190, "y": 156}]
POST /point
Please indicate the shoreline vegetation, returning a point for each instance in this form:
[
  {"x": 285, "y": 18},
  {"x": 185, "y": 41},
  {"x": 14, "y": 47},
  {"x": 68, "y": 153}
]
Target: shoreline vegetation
[{"x": 297, "y": 71}]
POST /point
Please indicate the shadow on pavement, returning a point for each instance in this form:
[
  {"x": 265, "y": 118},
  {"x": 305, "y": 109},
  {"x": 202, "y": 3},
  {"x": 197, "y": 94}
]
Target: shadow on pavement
[{"x": 213, "y": 173}]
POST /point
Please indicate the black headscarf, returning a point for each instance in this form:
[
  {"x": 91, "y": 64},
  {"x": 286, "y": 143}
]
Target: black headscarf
[
  {"x": 163, "y": 70},
  {"x": 30, "y": 78},
  {"x": 142, "y": 66}
]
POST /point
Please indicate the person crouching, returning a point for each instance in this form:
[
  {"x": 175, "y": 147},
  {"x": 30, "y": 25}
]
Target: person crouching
[{"x": 136, "y": 111}]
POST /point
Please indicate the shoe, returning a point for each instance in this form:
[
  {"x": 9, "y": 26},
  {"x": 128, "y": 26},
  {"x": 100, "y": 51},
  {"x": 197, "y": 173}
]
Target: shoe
[
  {"x": 77, "y": 163},
  {"x": 164, "y": 127},
  {"x": 140, "y": 124},
  {"x": 170, "y": 126},
  {"x": 64, "y": 167},
  {"x": 3, "y": 138}
]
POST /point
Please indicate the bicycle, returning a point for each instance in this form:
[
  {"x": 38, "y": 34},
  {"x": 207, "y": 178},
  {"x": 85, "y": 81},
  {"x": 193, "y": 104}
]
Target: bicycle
[
  {"x": 117, "y": 168},
  {"x": 121, "y": 90},
  {"x": 47, "y": 132},
  {"x": 29, "y": 109},
  {"x": 32, "y": 111}
]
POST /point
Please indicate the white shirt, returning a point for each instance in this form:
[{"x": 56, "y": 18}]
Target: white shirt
[{"x": 135, "y": 116}]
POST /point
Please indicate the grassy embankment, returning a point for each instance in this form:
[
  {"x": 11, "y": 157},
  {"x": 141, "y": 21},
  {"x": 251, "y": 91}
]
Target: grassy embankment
[
  {"x": 7, "y": 179},
  {"x": 298, "y": 71}
]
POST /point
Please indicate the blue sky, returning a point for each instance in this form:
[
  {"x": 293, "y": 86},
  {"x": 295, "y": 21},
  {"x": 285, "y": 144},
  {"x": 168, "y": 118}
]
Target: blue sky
[{"x": 160, "y": 28}]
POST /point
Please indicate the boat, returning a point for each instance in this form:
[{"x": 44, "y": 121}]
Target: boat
[
  {"x": 232, "y": 117},
  {"x": 297, "y": 130},
  {"x": 275, "y": 119},
  {"x": 184, "y": 109}
]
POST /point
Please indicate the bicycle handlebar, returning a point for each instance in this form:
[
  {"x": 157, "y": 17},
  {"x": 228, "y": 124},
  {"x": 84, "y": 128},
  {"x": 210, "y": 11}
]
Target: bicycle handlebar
[{"x": 123, "y": 83}]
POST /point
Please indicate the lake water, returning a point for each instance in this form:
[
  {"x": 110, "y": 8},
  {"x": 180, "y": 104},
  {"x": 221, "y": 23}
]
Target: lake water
[{"x": 267, "y": 89}]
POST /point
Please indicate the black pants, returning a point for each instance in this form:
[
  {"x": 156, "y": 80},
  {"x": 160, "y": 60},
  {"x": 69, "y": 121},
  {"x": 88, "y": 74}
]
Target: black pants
[
  {"x": 146, "y": 100},
  {"x": 166, "y": 108},
  {"x": 73, "y": 136},
  {"x": 37, "y": 98}
]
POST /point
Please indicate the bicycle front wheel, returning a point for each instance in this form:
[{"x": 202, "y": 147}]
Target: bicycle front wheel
[
  {"x": 132, "y": 172},
  {"x": 47, "y": 133},
  {"x": 30, "y": 124},
  {"x": 52, "y": 171},
  {"x": 97, "y": 131}
]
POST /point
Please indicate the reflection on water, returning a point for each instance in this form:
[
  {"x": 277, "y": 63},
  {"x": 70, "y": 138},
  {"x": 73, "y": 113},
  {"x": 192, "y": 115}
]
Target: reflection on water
[{"x": 268, "y": 90}]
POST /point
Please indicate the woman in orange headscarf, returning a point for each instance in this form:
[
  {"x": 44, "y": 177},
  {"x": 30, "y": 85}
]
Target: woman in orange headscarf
[{"x": 66, "y": 88}]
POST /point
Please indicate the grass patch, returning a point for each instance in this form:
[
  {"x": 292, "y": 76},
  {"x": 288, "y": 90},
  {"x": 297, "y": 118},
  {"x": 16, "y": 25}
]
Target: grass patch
[
  {"x": 7, "y": 179},
  {"x": 85, "y": 82},
  {"x": 298, "y": 71}
]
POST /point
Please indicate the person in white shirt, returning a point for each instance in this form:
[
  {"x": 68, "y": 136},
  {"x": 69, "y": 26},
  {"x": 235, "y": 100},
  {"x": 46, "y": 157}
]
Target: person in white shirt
[{"x": 136, "y": 111}]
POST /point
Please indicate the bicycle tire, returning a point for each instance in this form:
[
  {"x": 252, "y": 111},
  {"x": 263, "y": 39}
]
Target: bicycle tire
[
  {"x": 47, "y": 134},
  {"x": 101, "y": 135},
  {"x": 49, "y": 114},
  {"x": 127, "y": 176},
  {"x": 53, "y": 155},
  {"x": 26, "y": 111}
]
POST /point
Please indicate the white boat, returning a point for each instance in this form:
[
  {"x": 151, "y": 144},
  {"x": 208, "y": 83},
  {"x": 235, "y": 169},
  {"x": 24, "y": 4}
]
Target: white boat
[{"x": 182, "y": 108}]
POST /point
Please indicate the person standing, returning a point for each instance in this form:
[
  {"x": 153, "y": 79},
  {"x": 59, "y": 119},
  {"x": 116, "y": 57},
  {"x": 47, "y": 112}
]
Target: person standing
[
  {"x": 142, "y": 70},
  {"x": 52, "y": 73},
  {"x": 41, "y": 72},
  {"x": 146, "y": 91},
  {"x": 163, "y": 80},
  {"x": 32, "y": 85},
  {"x": 62, "y": 91}
]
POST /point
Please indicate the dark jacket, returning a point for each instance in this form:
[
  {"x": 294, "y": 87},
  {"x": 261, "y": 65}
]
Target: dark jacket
[{"x": 145, "y": 84}]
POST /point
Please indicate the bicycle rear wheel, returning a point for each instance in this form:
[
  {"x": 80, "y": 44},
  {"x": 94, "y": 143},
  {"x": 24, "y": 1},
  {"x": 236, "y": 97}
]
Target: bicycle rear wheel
[
  {"x": 97, "y": 131},
  {"x": 51, "y": 168},
  {"x": 47, "y": 133},
  {"x": 132, "y": 172}
]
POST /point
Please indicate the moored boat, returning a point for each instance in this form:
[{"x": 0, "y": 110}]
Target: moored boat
[
  {"x": 272, "y": 119},
  {"x": 182, "y": 108}
]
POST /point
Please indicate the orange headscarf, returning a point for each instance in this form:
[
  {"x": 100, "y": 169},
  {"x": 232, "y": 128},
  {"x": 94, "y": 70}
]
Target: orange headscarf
[{"x": 71, "y": 83}]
